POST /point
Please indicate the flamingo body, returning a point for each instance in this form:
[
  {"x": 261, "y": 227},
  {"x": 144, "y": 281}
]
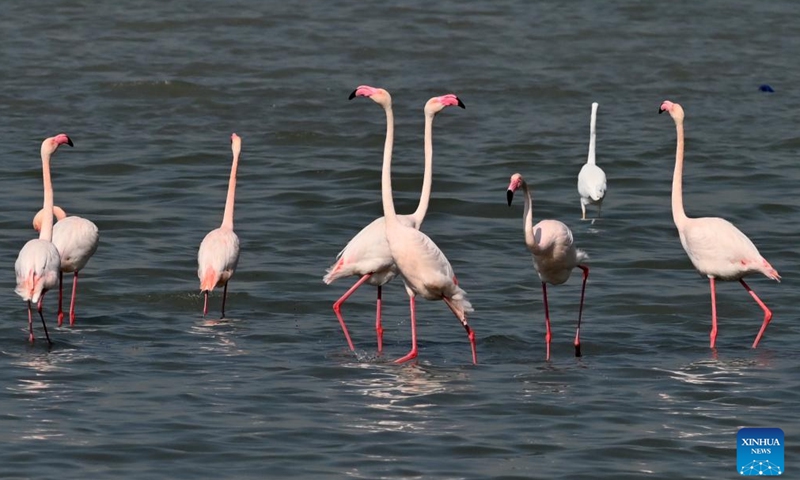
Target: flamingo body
[
  {"x": 76, "y": 239},
  {"x": 218, "y": 254},
  {"x": 37, "y": 268},
  {"x": 217, "y": 258},
  {"x": 554, "y": 254},
  {"x": 716, "y": 248}
]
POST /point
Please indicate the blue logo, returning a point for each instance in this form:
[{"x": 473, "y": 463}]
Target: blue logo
[{"x": 759, "y": 451}]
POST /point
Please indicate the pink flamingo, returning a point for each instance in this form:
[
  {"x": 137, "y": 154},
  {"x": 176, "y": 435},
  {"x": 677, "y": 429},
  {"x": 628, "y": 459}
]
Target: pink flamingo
[
  {"x": 716, "y": 248},
  {"x": 76, "y": 239},
  {"x": 424, "y": 267},
  {"x": 219, "y": 251},
  {"x": 554, "y": 254},
  {"x": 39, "y": 262},
  {"x": 367, "y": 254}
]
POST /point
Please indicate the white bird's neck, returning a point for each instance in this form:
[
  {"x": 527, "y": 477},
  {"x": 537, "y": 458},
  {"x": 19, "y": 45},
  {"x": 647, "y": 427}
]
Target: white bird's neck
[
  {"x": 427, "y": 178},
  {"x": 592, "y": 135},
  {"x": 678, "y": 214},
  {"x": 527, "y": 219},
  {"x": 227, "y": 217},
  {"x": 386, "y": 172},
  {"x": 46, "y": 233}
]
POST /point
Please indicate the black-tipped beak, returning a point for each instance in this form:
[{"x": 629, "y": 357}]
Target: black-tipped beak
[
  {"x": 661, "y": 110},
  {"x": 460, "y": 103},
  {"x": 69, "y": 142},
  {"x": 509, "y": 196},
  {"x": 353, "y": 95}
]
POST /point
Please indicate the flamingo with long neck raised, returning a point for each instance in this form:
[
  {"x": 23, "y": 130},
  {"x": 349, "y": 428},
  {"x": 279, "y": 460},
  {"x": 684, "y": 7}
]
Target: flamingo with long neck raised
[
  {"x": 591, "y": 178},
  {"x": 554, "y": 254},
  {"x": 715, "y": 246},
  {"x": 367, "y": 254},
  {"x": 219, "y": 250},
  {"x": 425, "y": 269},
  {"x": 38, "y": 264}
]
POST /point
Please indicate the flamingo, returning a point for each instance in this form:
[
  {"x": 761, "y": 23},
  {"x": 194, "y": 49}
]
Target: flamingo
[
  {"x": 39, "y": 262},
  {"x": 716, "y": 248},
  {"x": 592, "y": 179},
  {"x": 367, "y": 254},
  {"x": 554, "y": 254},
  {"x": 219, "y": 250},
  {"x": 76, "y": 239},
  {"x": 422, "y": 264}
]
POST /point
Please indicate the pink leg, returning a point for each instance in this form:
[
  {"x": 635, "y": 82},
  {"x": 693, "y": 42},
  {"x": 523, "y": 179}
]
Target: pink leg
[
  {"x": 547, "y": 335},
  {"x": 713, "y": 312},
  {"x": 60, "y": 296},
  {"x": 580, "y": 310},
  {"x": 767, "y": 312},
  {"x": 224, "y": 297},
  {"x": 378, "y": 326},
  {"x": 72, "y": 300},
  {"x": 205, "y": 302},
  {"x": 413, "y": 352},
  {"x": 470, "y": 332},
  {"x": 31, "y": 338},
  {"x": 337, "y": 307}
]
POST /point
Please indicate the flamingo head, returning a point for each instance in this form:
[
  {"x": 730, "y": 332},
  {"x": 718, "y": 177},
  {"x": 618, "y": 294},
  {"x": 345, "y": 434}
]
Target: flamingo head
[
  {"x": 39, "y": 218},
  {"x": 378, "y": 95},
  {"x": 51, "y": 144},
  {"x": 236, "y": 144},
  {"x": 674, "y": 109},
  {"x": 516, "y": 182},
  {"x": 437, "y": 104}
]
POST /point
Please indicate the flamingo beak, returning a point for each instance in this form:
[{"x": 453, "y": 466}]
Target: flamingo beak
[
  {"x": 69, "y": 142},
  {"x": 461, "y": 104},
  {"x": 353, "y": 95},
  {"x": 661, "y": 110},
  {"x": 509, "y": 196}
]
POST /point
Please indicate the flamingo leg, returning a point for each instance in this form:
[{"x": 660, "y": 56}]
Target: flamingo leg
[
  {"x": 413, "y": 352},
  {"x": 224, "y": 297},
  {"x": 337, "y": 307},
  {"x": 547, "y": 334},
  {"x": 580, "y": 311},
  {"x": 60, "y": 296},
  {"x": 31, "y": 338},
  {"x": 378, "y": 326},
  {"x": 470, "y": 332},
  {"x": 47, "y": 335},
  {"x": 72, "y": 299},
  {"x": 767, "y": 312},
  {"x": 205, "y": 302},
  {"x": 713, "y": 311}
]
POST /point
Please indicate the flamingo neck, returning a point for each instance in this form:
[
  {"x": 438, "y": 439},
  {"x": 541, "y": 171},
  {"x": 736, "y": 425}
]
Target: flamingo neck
[
  {"x": 386, "y": 173},
  {"x": 227, "y": 217},
  {"x": 46, "y": 233},
  {"x": 678, "y": 214},
  {"x": 527, "y": 218},
  {"x": 427, "y": 178},
  {"x": 592, "y": 137}
]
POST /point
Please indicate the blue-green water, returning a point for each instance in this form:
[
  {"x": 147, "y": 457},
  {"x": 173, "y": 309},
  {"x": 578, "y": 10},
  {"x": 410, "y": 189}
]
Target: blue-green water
[{"x": 144, "y": 387}]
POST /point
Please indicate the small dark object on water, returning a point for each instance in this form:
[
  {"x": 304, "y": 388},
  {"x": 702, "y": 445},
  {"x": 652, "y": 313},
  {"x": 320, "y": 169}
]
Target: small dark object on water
[{"x": 765, "y": 88}]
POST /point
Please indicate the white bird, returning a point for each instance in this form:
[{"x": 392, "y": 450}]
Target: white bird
[
  {"x": 716, "y": 248},
  {"x": 424, "y": 267},
  {"x": 367, "y": 254},
  {"x": 554, "y": 254},
  {"x": 592, "y": 179},
  {"x": 76, "y": 239},
  {"x": 219, "y": 250},
  {"x": 39, "y": 262}
]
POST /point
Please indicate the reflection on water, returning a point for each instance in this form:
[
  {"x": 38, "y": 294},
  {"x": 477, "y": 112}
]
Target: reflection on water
[
  {"x": 219, "y": 332},
  {"x": 405, "y": 394}
]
